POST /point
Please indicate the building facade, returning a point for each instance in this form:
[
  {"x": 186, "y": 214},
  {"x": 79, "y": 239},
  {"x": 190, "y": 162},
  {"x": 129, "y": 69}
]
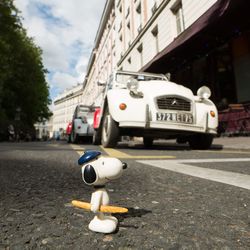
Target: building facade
[
  {"x": 44, "y": 129},
  {"x": 64, "y": 106},
  {"x": 205, "y": 42}
]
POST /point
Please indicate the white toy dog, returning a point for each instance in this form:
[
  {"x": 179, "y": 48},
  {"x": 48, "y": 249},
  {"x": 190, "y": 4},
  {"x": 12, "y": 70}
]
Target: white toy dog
[{"x": 97, "y": 171}]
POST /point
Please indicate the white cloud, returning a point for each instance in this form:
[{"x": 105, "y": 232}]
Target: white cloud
[
  {"x": 65, "y": 30},
  {"x": 63, "y": 80},
  {"x": 81, "y": 65}
]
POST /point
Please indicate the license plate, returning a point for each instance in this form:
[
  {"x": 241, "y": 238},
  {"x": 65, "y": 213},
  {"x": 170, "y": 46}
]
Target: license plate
[{"x": 175, "y": 117}]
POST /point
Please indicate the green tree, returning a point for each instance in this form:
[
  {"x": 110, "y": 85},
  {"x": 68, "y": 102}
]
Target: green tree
[{"x": 23, "y": 84}]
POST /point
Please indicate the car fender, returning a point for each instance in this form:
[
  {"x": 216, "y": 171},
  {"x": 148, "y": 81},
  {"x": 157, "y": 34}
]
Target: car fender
[
  {"x": 207, "y": 110},
  {"x": 135, "y": 107}
]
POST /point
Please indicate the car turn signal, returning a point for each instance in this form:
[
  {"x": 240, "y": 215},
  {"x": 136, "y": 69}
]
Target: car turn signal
[
  {"x": 122, "y": 106},
  {"x": 212, "y": 113}
]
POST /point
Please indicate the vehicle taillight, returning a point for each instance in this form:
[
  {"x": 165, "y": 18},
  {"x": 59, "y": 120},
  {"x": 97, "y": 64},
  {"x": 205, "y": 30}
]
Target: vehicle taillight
[{"x": 97, "y": 117}]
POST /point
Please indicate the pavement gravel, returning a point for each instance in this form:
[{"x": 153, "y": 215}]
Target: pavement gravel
[{"x": 166, "y": 210}]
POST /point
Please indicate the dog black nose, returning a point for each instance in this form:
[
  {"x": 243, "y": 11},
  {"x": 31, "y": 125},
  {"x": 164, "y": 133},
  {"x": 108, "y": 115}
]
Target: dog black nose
[{"x": 124, "y": 165}]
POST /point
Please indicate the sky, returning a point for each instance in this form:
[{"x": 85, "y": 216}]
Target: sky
[{"x": 65, "y": 30}]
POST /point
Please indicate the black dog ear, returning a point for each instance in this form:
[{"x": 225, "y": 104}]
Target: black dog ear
[{"x": 89, "y": 174}]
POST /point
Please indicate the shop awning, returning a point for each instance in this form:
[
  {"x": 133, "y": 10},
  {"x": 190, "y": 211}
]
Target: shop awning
[{"x": 222, "y": 20}]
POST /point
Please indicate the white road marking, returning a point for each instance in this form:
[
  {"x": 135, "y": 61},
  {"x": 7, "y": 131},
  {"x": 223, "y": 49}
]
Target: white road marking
[{"x": 226, "y": 177}]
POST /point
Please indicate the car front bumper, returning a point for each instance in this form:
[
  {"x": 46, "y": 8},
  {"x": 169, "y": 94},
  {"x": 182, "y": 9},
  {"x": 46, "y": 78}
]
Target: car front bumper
[{"x": 168, "y": 126}]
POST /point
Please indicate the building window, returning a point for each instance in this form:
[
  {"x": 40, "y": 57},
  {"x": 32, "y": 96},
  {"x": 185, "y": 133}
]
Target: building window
[
  {"x": 118, "y": 3},
  {"x": 155, "y": 32},
  {"x": 120, "y": 27},
  {"x": 152, "y": 6},
  {"x": 129, "y": 60},
  {"x": 128, "y": 25},
  {"x": 138, "y": 9},
  {"x": 140, "y": 50},
  {"x": 139, "y": 29},
  {"x": 178, "y": 12},
  {"x": 138, "y": 18},
  {"x": 127, "y": 14}
]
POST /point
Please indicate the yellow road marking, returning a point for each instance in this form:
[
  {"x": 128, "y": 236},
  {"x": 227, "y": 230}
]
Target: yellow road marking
[
  {"x": 115, "y": 153},
  {"x": 78, "y": 149},
  {"x": 118, "y": 154},
  {"x": 80, "y": 152}
]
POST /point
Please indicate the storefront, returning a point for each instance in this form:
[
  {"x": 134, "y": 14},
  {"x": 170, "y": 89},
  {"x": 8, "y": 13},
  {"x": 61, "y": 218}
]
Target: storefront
[{"x": 214, "y": 51}]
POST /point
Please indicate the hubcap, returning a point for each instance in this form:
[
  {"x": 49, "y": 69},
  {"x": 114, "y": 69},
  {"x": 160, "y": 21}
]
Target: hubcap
[{"x": 106, "y": 128}]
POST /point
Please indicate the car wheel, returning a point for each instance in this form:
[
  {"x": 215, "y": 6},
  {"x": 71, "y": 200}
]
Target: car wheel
[
  {"x": 201, "y": 141},
  {"x": 110, "y": 131},
  {"x": 97, "y": 137},
  {"x": 74, "y": 137},
  {"x": 148, "y": 142},
  {"x": 69, "y": 138}
]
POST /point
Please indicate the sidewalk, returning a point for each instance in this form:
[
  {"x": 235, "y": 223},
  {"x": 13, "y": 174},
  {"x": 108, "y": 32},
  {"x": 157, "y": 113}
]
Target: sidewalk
[
  {"x": 232, "y": 143},
  {"x": 240, "y": 143}
]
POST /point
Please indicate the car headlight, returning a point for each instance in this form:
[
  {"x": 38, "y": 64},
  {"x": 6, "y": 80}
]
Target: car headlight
[
  {"x": 133, "y": 85},
  {"x": 204, "y": 92}
]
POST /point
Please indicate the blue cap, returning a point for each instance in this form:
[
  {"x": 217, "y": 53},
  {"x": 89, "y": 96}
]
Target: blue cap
[{"x": 88, "y": 156}]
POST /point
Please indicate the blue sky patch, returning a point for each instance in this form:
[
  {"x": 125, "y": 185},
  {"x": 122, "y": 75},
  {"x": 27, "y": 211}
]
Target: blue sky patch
[{"x": 45, "y": 12}]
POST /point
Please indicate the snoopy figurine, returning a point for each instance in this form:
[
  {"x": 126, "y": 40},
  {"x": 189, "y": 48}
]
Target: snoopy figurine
[{"x": 97, "y": 171}]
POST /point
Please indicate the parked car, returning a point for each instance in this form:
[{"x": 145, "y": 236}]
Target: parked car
[
  {"x": 150, "y": 106},
  {"x": 82, "y": 123}
]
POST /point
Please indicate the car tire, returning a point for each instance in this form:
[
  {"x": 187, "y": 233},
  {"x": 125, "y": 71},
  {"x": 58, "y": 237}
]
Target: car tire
[
  {"x": 74, "y": 137},
  {"x": 97, "y": 137},
  {"x": 201, "y": 141},
  {"x": 148, "y": 142},
  {"x": 110, "y": 131},
  {"x": 69, "y": 138}
]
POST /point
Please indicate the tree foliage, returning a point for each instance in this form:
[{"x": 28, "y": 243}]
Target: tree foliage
[{"x": 22, "y": 75}]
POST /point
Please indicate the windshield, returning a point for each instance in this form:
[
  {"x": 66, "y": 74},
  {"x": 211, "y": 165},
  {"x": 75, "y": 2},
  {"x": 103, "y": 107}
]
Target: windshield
[{"x": 125, "y": 77}]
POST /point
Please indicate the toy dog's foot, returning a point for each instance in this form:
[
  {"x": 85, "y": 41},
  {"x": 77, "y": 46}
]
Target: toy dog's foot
[{"x": 106, "y": 224}]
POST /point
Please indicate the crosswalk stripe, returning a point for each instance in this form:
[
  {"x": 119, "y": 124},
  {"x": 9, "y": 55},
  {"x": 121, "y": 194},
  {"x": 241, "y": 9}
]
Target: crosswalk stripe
[
  {"x": 226, "y": 177},
  {"x": 118, "y": 154}
]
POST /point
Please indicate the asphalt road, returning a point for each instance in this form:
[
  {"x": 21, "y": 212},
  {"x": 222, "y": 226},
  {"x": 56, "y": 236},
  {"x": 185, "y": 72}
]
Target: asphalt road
[{"x": 177, "y": 198}]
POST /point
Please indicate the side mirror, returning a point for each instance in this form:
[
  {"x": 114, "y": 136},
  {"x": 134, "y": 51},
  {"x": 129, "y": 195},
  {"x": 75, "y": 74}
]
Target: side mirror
[{"x": 101, "y": 83}]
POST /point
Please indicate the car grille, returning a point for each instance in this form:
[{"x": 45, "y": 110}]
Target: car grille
[{"x": 173, "y": 103}]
